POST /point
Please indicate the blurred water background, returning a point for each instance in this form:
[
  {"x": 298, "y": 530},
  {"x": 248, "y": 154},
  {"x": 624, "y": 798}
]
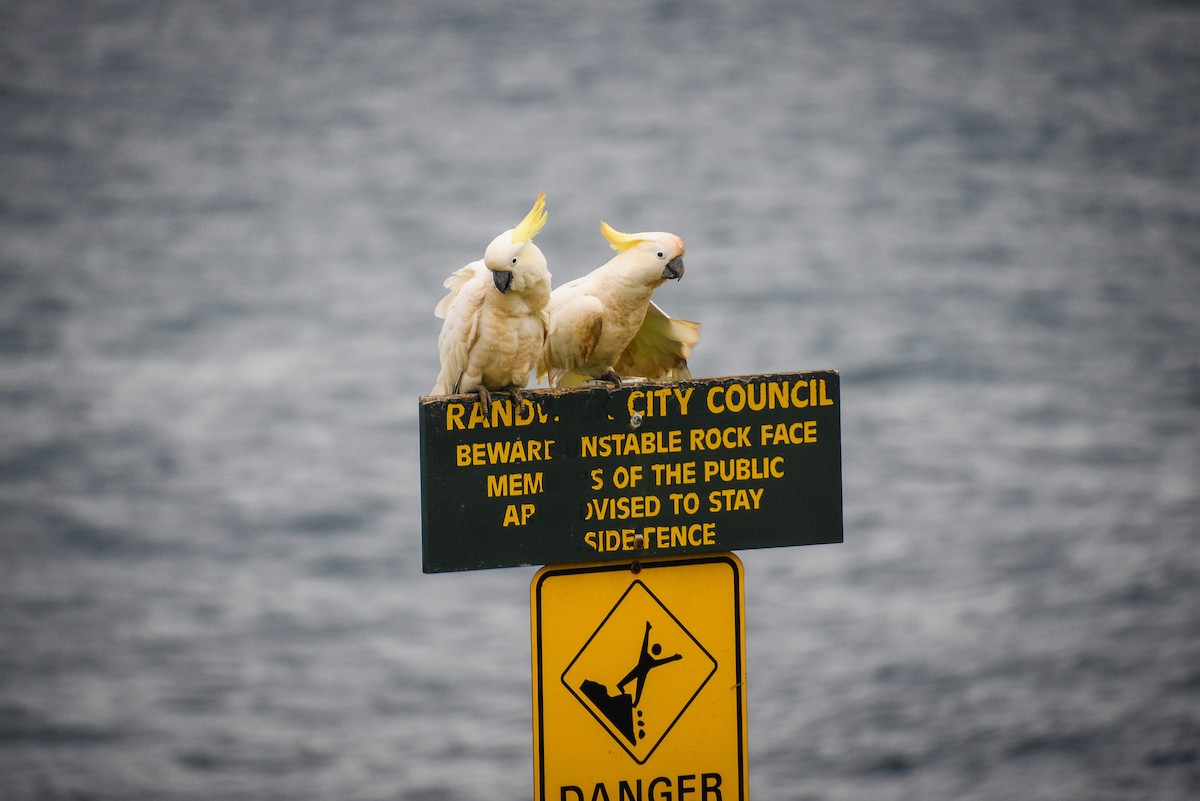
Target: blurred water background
[{"x": 223, "y": 229}]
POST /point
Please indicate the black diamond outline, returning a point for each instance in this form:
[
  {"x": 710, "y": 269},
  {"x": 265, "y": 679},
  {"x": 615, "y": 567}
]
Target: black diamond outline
[{"x": 684, "y": 708}]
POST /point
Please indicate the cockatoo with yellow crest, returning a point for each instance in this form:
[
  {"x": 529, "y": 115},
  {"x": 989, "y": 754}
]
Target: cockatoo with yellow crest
[
  {"x": 604, "y": 325},
  {"x": 495, "y": 315}
]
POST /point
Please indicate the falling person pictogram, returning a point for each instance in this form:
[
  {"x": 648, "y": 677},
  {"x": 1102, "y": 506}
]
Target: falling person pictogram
[
  {"x": 647, "y": 661},
  {"x": 619, "y": 709}
]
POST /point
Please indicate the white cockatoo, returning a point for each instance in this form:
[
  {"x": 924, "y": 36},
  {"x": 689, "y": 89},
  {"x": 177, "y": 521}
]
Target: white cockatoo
[
  {"x": 605, "y": 326},
  {"x": 495, "y": 315}
]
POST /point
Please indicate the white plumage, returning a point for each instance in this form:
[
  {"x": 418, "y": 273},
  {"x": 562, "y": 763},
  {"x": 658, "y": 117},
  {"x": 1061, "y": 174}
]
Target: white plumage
[
  {"x": 604, "y": 325},
  {"x": 495, "y": 315}
]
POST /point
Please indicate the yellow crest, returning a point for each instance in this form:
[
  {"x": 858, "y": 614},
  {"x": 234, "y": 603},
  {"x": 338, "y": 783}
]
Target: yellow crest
[
  {"x": 620, "y": 242},
  {"x": 533, "y": 221}
]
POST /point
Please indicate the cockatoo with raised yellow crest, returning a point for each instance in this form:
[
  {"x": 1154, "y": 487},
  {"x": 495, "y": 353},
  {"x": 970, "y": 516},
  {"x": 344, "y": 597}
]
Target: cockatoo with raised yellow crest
[
  {"x": 495, "y": 315},
  {"x": 604, "y": 325}
]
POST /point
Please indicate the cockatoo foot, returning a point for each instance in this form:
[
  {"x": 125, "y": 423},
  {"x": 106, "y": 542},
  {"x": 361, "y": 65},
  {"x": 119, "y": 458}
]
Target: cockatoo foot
[
  {"x": 485, "y": 400},
  {"x": 514, "y": 392},
  {"x": 611, "y": 375}
]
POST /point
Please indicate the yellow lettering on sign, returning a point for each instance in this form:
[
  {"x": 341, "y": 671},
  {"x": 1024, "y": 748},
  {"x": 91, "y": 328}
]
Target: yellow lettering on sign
[
  {"x": 657, "y": 402},
  {"x": 625, "y": 539},
  {"x": 658, "y": 789},
  {"x": 693, "y": 535},
  {"x": 505, "y": 452},
  {"x": 685, "y": 503},
  {"x": 502, "y": 413},
  {"x": 783, "y": 434},
  {"x": 518, "y": 514},
  {"x": 514, "y": 484},
  {"x": 713, "y": 439},
  {"x": 734, "y": 500},
  {"x": 674, "y": 473},
  {"x": 744, "y": 469},
  {"x": 622, "y": 508},
  {"x": 646, "y": 443},
  {"x": 798, "y": 394}
]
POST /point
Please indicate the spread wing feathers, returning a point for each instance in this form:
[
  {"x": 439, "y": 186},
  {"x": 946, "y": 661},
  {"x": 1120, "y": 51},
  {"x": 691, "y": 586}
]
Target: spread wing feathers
[
  {"x": 455, "y": 283},
  {"x": 574, "y": 333},
  {"x": 661, "y": 347},
  {"x": 461, "y": 309}
]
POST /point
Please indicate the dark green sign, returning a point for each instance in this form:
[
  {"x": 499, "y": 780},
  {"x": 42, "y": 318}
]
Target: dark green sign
[{"x": 646, "y": 470}]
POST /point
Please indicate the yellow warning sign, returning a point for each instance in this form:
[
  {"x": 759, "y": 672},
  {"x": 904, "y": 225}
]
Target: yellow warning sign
[{"x": 638, "y": 687}]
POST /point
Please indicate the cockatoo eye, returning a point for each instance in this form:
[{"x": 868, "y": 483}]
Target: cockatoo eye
[
  {"x": 660, "y": 254},
  {"x": 514, "y": 259}
]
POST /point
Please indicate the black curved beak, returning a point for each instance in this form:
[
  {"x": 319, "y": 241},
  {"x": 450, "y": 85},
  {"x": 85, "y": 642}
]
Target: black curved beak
[
  {"x": 502, "y": 279},
  {"x": 674, "y": 268}
]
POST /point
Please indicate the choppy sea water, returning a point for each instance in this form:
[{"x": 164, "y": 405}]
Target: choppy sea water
[{"x": 223, "y": 229}]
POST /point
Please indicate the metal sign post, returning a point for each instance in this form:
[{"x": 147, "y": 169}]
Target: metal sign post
[{"x": 633, "y": 499}]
